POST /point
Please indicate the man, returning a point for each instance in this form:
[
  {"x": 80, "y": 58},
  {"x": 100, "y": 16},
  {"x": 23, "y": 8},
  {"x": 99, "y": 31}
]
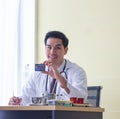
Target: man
[{"x": 70, "y": 79}]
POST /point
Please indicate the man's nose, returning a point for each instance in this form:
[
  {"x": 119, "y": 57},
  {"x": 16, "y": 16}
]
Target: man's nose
[{"x": 53, "y": 50}]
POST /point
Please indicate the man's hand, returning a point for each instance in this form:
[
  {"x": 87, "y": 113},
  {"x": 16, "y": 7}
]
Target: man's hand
[
  {"x": 15, "y": 101},
  {"x": 53, "y": 72}
]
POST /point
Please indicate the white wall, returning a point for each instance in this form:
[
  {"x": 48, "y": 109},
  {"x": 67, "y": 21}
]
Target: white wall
[{"x": 93, "y": 27}]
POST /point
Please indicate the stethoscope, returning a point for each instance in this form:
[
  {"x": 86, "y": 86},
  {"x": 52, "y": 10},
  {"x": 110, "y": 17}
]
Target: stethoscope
[{"x": 63, "y": 71}]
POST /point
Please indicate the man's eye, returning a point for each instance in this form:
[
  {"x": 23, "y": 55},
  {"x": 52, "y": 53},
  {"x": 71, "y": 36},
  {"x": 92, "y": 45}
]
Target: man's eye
[
  {"x": 48, "y": 47},
  {"x": 57, "y": 48}
]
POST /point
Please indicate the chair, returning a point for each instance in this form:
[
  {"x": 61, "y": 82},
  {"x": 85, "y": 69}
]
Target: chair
[{"x": 94, "y": 95}]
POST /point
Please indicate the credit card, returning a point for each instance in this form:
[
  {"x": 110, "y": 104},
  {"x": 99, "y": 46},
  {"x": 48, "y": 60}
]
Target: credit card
[{"x": 39, "y": 67}]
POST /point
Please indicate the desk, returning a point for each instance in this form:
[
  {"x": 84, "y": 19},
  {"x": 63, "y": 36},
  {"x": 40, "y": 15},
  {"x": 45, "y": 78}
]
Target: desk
[{"x": 50, "y": 112}]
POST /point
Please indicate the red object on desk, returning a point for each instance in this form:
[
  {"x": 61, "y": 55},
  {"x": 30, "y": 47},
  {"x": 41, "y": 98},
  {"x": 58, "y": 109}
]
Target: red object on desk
[
  {"x": 73, "y": 99},
  {"x": 80, "y": 100}
]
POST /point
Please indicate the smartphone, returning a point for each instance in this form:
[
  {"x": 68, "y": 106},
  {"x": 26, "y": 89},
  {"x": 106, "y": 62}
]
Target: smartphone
[{"x": 39, "y": 67}]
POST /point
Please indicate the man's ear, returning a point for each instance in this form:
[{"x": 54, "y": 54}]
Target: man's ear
[{"x": 66, "y": 49}]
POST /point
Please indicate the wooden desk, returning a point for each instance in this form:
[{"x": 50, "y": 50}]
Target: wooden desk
[{"x": 50, "y": 112}]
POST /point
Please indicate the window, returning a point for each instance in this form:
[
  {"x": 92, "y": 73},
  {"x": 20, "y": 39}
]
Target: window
[{"x": 17, "y": 42}]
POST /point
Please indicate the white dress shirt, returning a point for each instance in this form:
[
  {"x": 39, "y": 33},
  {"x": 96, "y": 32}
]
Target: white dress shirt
[{"x": 39, "y": 84}]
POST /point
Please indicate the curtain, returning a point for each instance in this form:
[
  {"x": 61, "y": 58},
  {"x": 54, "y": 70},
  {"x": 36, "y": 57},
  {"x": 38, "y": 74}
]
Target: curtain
[{"x": 17, "y": 42}]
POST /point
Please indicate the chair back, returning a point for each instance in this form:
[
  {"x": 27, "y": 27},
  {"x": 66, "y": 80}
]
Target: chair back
[{"x": 94, "y": 95}]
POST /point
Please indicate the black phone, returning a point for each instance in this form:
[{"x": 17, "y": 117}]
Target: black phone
[{"x": 39, "y": 67}]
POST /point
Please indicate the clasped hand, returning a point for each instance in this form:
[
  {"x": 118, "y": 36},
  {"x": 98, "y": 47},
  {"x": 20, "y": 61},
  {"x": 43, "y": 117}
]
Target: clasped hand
[
  {"x": 15, "y": 101},
  {"x": 53, "y": 72}
]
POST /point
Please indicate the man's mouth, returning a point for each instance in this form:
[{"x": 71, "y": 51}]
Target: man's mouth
[{"x": 53, "y": 57}]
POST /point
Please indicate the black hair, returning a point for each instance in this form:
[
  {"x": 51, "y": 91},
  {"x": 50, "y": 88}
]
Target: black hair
[{"x": 57, "y": 34}]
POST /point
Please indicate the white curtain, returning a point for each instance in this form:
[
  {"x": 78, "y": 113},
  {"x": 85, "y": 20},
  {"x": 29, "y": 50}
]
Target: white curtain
[{"x": 17, "y": 41}]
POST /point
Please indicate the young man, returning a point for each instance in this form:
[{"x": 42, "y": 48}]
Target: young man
[{"x": 70, "y": 79}]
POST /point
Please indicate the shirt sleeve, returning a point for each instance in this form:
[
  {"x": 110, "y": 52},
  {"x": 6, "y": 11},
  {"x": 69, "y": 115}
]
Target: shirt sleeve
[
  {"x": 28, "y": 90},
  {"x": 77, "y": 83}
]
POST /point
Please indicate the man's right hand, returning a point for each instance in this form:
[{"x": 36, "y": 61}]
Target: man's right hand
[{"x": 15, "y": 101}]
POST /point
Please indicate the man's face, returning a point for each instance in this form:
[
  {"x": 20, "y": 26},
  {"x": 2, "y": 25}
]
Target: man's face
[{"x": 55, "y": 50}]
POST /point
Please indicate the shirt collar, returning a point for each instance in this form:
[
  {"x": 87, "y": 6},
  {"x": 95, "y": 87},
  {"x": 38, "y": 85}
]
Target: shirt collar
[
  {"x": 60, "y": 68},
  {"x": 68, "y": 65}
]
